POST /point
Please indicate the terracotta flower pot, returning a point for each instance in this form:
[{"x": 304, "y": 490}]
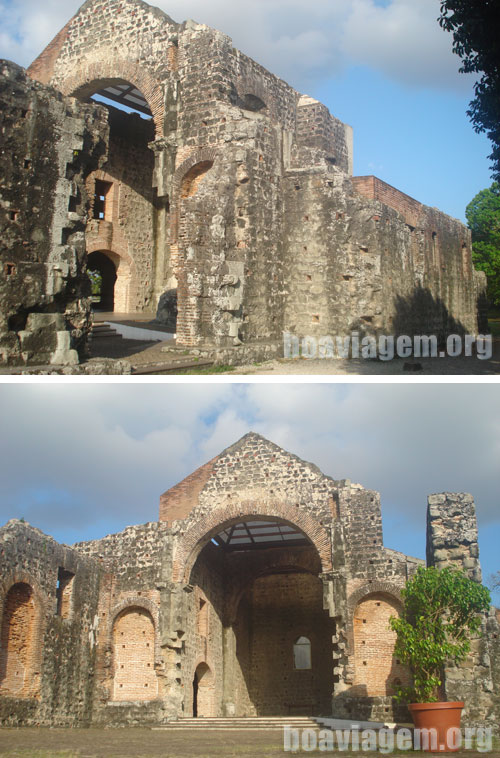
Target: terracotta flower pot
[{"x": 442, "y": 717}]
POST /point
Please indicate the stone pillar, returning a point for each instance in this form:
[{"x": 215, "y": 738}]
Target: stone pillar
[
  {"x": 163, "y": 277},
  {"x": 174, "y": 625},
  {"x": 452, "y": 533},
  {"x": 452, "y": 542},
  {"x": 229, "y": 656}
]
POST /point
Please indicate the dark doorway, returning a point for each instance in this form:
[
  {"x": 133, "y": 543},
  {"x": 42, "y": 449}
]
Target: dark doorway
[
  {"x": 102, "y": 273},
  {"x": 195, "y": 695}
]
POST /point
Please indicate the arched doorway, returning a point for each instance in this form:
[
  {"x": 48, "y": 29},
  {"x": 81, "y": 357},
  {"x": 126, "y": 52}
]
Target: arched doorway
[
  {"x": 203, "y": 690},
  {"x": 102, "y": 274},
  {"x": 256, "y": 581}
]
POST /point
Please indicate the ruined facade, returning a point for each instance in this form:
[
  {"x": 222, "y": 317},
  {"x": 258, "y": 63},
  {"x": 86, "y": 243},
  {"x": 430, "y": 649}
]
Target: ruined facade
[
  {"x": 263, "y": 589},
  {"x": 236, "y": 192}
]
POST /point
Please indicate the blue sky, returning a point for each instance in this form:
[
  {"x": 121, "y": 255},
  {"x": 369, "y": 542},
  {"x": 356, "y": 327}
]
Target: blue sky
[
  {"x": 383, "y": 66},
  {"x": 81, "y": 461}
]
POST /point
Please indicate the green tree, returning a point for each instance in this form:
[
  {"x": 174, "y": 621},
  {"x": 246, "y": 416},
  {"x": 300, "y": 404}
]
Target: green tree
[
  {"x": 95, "y": 281},
  {"x": 483, "y": 217},
  {"x": 474, "y": 24},
  {"x": 441, "y": 610}
]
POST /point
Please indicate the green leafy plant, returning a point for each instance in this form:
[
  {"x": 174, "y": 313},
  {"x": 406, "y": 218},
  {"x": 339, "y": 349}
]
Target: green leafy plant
[
  {"x": 96, "y": 282},
  {"x": 442, "y": 609}
]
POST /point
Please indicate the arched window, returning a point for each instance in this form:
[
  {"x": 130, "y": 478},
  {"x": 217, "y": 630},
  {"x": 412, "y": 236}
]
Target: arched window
[{"x": 302, "y": 654}]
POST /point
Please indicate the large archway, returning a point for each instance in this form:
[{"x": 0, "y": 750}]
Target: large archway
[
  {"x": 256, "y": 592},
  {"x": 125, "y": 206}
]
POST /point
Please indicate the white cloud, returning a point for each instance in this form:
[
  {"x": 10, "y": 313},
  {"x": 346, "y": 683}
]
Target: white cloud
[
  {"x": 301, "y": 42},
  {"x": 404, "y": 41}
]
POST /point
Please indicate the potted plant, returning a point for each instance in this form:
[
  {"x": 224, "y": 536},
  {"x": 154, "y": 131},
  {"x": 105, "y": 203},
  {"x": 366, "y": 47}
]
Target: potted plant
[{"x": 442, "y": 609}]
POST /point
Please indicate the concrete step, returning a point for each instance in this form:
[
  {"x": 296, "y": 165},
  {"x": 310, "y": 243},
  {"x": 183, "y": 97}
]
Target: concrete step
[{"x": 236, "y": 724}]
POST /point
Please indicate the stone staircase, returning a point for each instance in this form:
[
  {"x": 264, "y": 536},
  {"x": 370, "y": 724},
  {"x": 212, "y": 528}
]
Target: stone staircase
[
  {"x": 104, "y": 331},
  {"x": 237, "y": 724}
]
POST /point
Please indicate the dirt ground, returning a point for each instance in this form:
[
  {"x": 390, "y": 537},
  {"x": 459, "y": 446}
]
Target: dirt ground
[{"x": 147, "y": 743}]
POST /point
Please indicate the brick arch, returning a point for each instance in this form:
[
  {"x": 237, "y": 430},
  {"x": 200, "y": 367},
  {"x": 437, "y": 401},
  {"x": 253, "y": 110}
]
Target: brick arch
[
  {"x": 133, "y": 644},
  {"x": 392, "y": 591},
  {"x": 29, "y": 657},
  {"x": 378, "y": 673},
  {"x": 82, "y": 83},
  {"x": 195, "y": 539},
  {"x": 201, "y": 155},
  {"x": 374, "y": 588},
  {"x": 207, "y": 687},
  {"x": 144, "y": 603}
]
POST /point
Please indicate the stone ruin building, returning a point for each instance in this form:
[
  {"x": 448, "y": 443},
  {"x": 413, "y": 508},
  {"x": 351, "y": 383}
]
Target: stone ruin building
[
  {"x": 233, "y": 197},
  {"x": 263, "y": 589}
]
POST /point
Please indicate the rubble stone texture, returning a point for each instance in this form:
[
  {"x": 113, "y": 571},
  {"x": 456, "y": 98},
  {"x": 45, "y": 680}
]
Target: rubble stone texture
[
  {"x": 196, "y": 614},
  {"x": 452, "y": 542},
  {"x": 49, "y": 145},
  {"x": 237, "y": 193}
]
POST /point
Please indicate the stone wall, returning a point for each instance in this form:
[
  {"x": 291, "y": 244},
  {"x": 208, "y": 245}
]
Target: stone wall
[
  {"x": 57, "y": 659},
  {"x": 250, "y": 211},
  {"x": 160, "y": 621},
  {"x": 452, "y": 542},
  {"x": 51, "y": 144}
]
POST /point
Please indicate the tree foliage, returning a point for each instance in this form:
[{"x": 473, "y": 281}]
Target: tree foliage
[
  {"x": 474, "y": 24},
  {"x": 441, "y": 610},
  {"x": 483, "y": 217}
]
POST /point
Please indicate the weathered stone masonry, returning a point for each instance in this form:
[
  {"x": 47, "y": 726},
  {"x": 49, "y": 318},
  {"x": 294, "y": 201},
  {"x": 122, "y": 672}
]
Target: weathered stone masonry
[
  {"x": 255, "y": 555},
  {"x": 239, "y": 195},
  {"x": 49, "y": 145}
]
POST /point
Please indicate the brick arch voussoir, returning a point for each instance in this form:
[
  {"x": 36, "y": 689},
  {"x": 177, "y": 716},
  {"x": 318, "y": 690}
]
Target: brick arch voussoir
[
  {"x": 201, "y": 155},
  {"x": 392, "y": 591},
  {"x": 75, "y": 84},
  {"x": 374, "y": 588},
  {"x": 96, "y": 246},
  {"x": 195, "y": 539}
]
